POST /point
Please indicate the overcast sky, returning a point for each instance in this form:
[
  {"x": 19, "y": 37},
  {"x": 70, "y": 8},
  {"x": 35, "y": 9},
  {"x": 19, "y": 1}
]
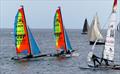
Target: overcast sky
[{"x": 40, "y": 13}]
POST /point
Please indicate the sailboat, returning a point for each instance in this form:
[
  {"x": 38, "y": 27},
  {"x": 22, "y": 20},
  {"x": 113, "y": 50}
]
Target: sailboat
[
  {"x": 61, "y": 36},
  {"x": 26, "y": 46},
  {"x": 85, "y": 27},
  {"x": 94, "y": 32},
  {"x": 109, "y": 47}
]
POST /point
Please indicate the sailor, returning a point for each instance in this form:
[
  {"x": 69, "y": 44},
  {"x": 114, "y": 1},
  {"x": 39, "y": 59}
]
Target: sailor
[
  {"x": 105, "y": 60},
  {"x": 92, "y": 57},
  {"x": 69, "y": 51},
  {"x": 60, "y": 52}
]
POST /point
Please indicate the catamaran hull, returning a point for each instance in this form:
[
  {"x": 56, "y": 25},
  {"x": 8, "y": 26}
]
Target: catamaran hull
[
  {"x": 84, "y": 33},
  {"x": 103, "y": 67},
  {"x": 46, "y": 55},
  {"x": 97, "y": 43},
  {"x": 115, "y": 67},
  {"x": 71, "y": 55}
]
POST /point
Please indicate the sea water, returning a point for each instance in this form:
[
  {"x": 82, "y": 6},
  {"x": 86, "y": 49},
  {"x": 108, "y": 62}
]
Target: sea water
[{"x": 46, "y": 42}]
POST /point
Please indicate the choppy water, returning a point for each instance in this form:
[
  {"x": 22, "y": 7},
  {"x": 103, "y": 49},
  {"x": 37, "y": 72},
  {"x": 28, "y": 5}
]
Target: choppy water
[{"x": 46, "y": 42}]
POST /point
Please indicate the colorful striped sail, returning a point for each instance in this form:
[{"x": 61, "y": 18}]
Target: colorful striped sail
[
  {"x": 62, "y": 40},
  {"x": 24, "y": 41},
  {"x": 21, "y": 34}
]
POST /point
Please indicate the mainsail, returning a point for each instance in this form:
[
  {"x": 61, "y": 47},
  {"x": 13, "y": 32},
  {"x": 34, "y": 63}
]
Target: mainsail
[
  {"x": 21, "y": 34},
  {"x": 85, "y": 27},
  {"x": 94, "y": 31},
  {"x": 110, "y": 38},
  {"x": 62, "y": 40},
  {"x": 24, "y": 41}
]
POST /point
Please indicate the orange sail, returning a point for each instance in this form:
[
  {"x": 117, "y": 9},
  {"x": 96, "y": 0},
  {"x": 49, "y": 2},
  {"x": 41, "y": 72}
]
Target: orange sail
[
  {"x": 21, "y": 33},
  {"x": 59, "y": 31}
]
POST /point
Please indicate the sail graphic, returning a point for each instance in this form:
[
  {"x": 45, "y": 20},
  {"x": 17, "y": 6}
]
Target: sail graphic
[
  {"x": 21, "y": 34},
  {"x": 110, "y": 38},
  {"x": 59, "y": 31},
  {"x": 85, "y": 27},
  {"x": 34, "y": 48},
  {"x": 94, "y": 31}
]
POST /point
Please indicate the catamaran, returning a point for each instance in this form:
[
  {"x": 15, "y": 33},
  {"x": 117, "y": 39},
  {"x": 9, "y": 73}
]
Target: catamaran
[
  {"x": 94, "y": 32},
  {"x": 61, "y": 37},
  {"x": 108, "y": 51},
  {"x": 85, "y": 27},
  {"x": 26, "y": 46}
]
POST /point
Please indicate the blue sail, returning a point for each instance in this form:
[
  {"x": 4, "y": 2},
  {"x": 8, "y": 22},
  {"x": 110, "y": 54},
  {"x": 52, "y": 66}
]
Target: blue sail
[
  {"x": 15, "y": 25},
  {"x": 34, "y": 48},
  {"x": 68, "y": 45}
]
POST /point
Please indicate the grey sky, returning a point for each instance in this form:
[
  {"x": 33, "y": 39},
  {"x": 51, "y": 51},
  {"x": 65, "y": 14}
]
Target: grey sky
[{"x": 40, "y": 13}]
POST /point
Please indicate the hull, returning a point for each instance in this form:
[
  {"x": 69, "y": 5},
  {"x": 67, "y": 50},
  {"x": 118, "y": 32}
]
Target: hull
[
  {"x": 84, "y": 33},
  {"x": 114, "y": 67},
  {"x": 97, "y": 43},
  {"x": 74, "y": 54},
  {"x": 103, "y": 67}
]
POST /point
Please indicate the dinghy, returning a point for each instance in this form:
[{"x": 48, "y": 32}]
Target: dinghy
[
  {"x": 85, "y": 27},
  {"x": 61, "y": 37},
  {"x": 94, "y": 32},
  {"x": 108, "y": 51}
]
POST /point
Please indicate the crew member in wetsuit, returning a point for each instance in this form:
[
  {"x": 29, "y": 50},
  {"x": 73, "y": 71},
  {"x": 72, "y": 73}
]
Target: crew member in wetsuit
[
  {"x": 95, "y": 59},
  {"x": 105, "y": 60},
  {"x": 92, "y": 57}
]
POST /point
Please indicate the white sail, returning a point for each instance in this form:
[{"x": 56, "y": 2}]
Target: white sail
[
  {"x": 108, "y": 52},
  {"x": 94, "y": 31}
]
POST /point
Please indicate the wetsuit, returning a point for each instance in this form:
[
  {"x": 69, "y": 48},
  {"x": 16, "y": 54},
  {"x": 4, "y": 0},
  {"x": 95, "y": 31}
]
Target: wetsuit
[
  {"x": 105, "y": 60},
  {"x": 95, "y": 59}
]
